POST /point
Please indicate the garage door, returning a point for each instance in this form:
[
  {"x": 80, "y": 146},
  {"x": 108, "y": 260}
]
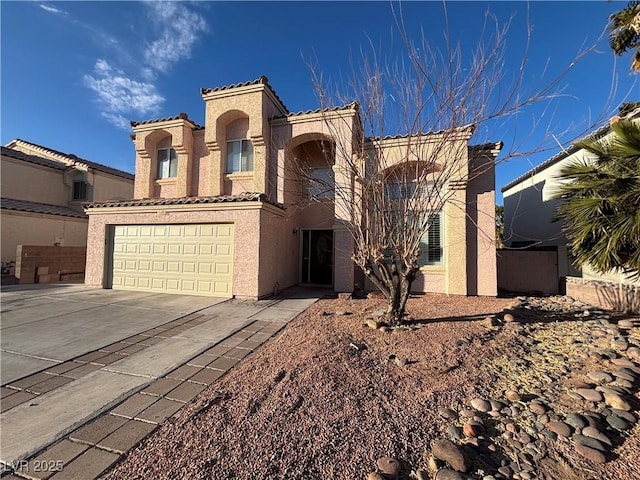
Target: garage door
[{"x": 187, "y": 259}]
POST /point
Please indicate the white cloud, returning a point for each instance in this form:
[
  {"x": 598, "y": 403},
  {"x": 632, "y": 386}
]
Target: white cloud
[
  {"x": 117, "y": 120},
  {"x": 130, "y": 92},
  {"x": 119, "y": 95},
  {"x": 51, "y": 9},
  {"x": 179, "y": 30}
]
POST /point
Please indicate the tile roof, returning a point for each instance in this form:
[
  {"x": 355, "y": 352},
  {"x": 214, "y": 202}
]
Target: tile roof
[
  {"x": 260, "y": 80},
  {"x": 33, "y": 207},
  {"x": 45, "y": 162},
  {"x": 487, "y": 147},
  {"x": 180, "y": 116},
  {"x": 146, "y": 202},
  {"x": 348, "y": 106},
  {"x": 74, "y": 159},
  {"x": 601, "y": 132}
]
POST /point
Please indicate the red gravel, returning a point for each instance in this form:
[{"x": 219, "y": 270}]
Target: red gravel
[{"x": 308, "y": 406}]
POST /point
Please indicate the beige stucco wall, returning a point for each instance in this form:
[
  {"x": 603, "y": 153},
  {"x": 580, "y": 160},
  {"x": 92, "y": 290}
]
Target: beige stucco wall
[
  {"x": 34, "y": 183},
  {"x": 200, "y": 183},
  {"x": 20, "y": 228},
  {"x": 108, "y": 187},
  {"x": 279, "y": 253},
  {"x": 481, "y": 231},
  {"x": 245, "y": 217},
  {"x": 247, "y": 111}
]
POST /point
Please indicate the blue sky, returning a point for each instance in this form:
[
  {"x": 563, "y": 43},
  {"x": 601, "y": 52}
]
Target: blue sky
[{"x": 75, "y": 73}]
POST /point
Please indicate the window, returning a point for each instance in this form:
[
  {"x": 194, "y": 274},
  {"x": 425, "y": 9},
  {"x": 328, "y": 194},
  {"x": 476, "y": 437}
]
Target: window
[
  {"x": 167, "y": 163},
  {"x": 400, "y": 190},
  {"x": 431, "y": 244},
  {"x": 319, "y": 183},
  {"x": 239, "y": 156},
  {"x": 79, "y": 190}
]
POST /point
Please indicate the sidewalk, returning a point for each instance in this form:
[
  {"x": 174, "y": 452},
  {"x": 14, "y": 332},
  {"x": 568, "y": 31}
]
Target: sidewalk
[{"x": 98, "y": 417}]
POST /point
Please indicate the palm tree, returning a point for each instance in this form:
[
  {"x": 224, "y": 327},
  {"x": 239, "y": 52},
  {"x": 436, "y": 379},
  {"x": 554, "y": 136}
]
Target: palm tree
[
  {"x": 624, "y": 32},
  {"x": 600, "y": 201}
]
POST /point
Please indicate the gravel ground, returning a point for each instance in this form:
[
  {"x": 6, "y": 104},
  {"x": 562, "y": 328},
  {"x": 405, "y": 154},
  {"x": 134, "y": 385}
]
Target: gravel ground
[{"x": 331, "y": 395}]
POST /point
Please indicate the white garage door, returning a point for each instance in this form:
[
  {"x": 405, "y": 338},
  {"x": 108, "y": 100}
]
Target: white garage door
[{"x": 187, "y": 259}]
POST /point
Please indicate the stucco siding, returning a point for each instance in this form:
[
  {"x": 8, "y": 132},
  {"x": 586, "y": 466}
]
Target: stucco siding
[
  {"x": 107, "y": 187},
  {"x": 246, "y": 240},
  {"x": 279, "y": 253},
  {"x": 20, "y": 228},
  {"x": 25, "y": 181}
]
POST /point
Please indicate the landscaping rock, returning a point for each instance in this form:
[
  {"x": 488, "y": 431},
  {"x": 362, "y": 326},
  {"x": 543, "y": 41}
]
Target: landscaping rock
[
  {"x": 616, "y": 401},
  {"x": 600, "y": 377},
  {"x": 388, "y": 467},
  {"x": 374, "y": 324},
  {"x": 589, "y": 394},
  {"x": 560, "y": 428},
  {"x": 597, "y": 434},
  {"x": 512, "y": 396},
  {"x": 375, "y": 476},
  {"x": 448, "y": 474},
  {"x": 455, "y": 432},
  {"x": 481, "y": 405},
  {"x": 591, "y": 454},
  {"x": 451, "y": 453},
  {"x": 576, "y": 421},
  {"x": 618, "y": 423},
  {"x": 590, "y": 442},
  {"x": 537, "y": 408}
]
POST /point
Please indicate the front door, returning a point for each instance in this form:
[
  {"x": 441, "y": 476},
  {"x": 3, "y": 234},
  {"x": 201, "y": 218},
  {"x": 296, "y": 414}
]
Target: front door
[{"x": 317, "y": 257}]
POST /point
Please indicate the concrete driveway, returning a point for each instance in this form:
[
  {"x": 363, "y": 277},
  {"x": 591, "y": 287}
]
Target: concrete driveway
[
  {"x": 94, "y": 349},
  {"x": 44, "y": 325}
]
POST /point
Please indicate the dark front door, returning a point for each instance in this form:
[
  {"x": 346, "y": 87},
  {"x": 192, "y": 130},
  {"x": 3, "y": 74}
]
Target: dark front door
[{"x": 317, "y": 257}]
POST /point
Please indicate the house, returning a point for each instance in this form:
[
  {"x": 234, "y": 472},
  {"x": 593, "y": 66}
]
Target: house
[
  {"x": 529, "y": 217},
  {"x": 42, "y": 194},
  {"x": 215, "y": 211}
]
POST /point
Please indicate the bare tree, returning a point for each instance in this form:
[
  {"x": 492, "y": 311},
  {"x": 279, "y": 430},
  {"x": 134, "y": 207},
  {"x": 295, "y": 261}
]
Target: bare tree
[{"x": 403, "y": 143}]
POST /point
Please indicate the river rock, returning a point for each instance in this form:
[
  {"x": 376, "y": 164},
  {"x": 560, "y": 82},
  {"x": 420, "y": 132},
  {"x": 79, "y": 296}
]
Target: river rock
[
  {"x": 622, "y": 362},
  {"x": 591, "y": 454},
  {"x": 589, "y": 394},
  {"x": 616, "y": 401},
  {"x": 389, "y": 467},
  {"x": 447, "y": 413},
  {"x": 589, "y": 442},
  {"x": 618, "y": 423},
  {"x": 451, "y": 453},
  {"x": 448, "y": 474},
  {"x": 559, "y": 428},
  {"x": 593, "y": 432},
  {"x": 537, "y": 408},
  {"x": 455, "y": 432},
  {"x": 512, "y": 396},
  {"x": 600, "y": 377},
  {"x": 576, "y": 421},
  {"x": 481, "y": 405}
]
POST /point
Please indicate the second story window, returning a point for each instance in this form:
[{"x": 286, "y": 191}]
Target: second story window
[
  {"x": 319, "y": 183},
  {"x": 167, "y": 163},
  {"x": 79, "y": 190},
  {"x": 239, "y": 156}
]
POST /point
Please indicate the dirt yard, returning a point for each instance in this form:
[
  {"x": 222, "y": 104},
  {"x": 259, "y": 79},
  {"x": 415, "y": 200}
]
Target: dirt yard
[{"x": 331, "y": 395}]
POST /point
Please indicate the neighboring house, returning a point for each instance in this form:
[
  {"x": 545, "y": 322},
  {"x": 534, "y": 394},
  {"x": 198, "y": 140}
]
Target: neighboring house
[
  {"x": 216, "y": 211},
  {"x": 530, "y": 209},
  {"x": 42, "y": 195}
]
